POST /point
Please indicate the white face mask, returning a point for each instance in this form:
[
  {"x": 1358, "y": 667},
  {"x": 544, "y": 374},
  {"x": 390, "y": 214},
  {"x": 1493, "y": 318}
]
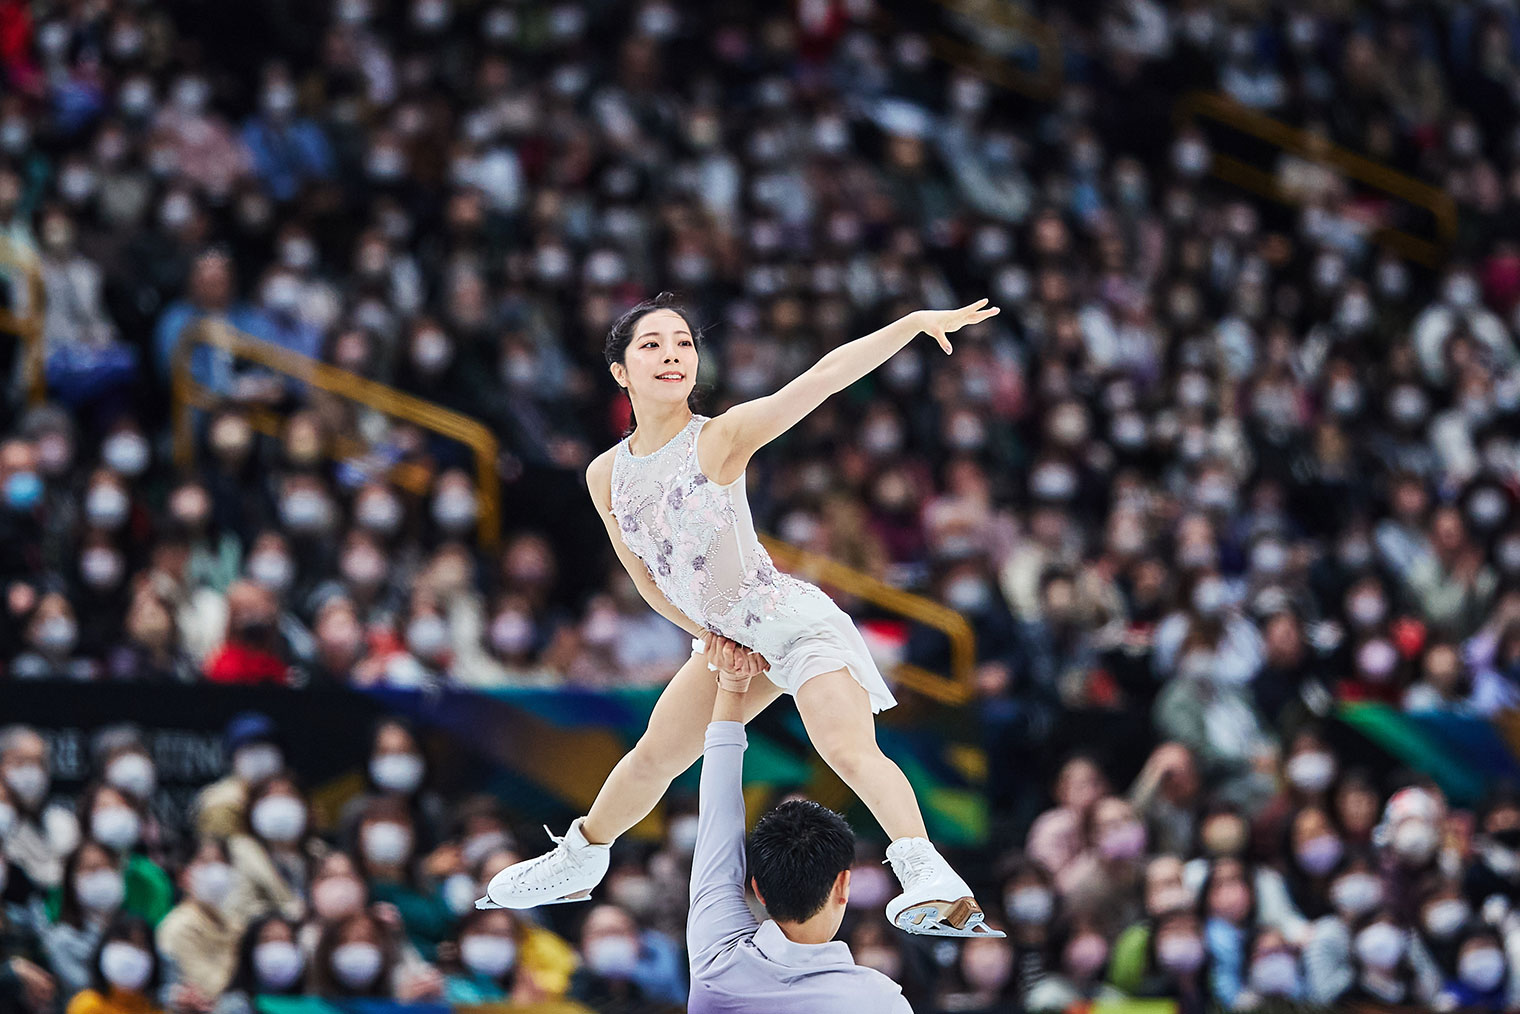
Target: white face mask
[
  {"x": 29, "y": 781},
  {"x": 1444, "y": 918},
  {"x": 1357, "y": 893},
  {"x": 279, "y": 818},
  {"x": 387, "y": 843},
  {"x": 613, "y": 957},
  {"x": 116, "y": 827},
  {"x": 1311, "y": 771},
  {"x": 126, "y": 966},
  {"x": 1179, "y": 953},
  {"x": 256, "y": 763},
  {"x": 7, "y": 819},
  {"x": 211, "y": 883},
  {"x": 1275, "y": 975},
  {"x": 397, "y": 772},
  {"x": 1415, "y": 841},
  {"x": 1031, "y": 905},
  {"x": 460, "y": 892},
  {"x": 106, "y": 506},
  {"x": 427, "y": 636},
  {"x": 1482, "y": 968},
  {"x": 278, "y": 964},
  {"x": 101, "y": 891},
  {"x": 488, "y": 955},
  {"x": 1380, "y": 945},
  {"x": 133, "y": 774},
  {"x": 683, "y": 834},
  {"x": 126, "y": 454},
  {"x": 356, "y": 965}
]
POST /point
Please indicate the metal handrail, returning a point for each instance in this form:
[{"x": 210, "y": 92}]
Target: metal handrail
[
  {"x": 959, "y": 687},
  {"x": 1316, "y": 148},
  {"x": 189, "y": 394},
  {"x": 27, "y": 327}
]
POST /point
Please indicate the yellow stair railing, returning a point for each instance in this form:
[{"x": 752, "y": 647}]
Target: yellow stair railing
[
  {"x": 1001, "y": 16},
  {"x": 1196, "y": 107},
  {"x": 959, "y": 687},
  {"x": 188, "y": 395},
  {"x": 27, "y": 324}
]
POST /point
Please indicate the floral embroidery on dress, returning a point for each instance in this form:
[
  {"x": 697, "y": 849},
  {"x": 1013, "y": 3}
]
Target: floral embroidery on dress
[{"x": 703, "y": 557}]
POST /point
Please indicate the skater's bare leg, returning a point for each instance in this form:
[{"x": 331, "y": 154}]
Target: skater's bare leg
[
  {"x": 671, "y": 744},
  {"x": 836, "y": 711}
]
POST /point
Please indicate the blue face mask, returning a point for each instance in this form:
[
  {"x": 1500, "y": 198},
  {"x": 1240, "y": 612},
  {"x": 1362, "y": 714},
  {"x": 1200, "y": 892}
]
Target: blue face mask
[{"x": 22, "y": 491}]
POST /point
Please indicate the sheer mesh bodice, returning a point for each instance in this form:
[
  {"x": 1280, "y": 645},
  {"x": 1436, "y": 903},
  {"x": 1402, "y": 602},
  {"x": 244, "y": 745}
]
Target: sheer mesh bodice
[{"x": 698, "y": 541}]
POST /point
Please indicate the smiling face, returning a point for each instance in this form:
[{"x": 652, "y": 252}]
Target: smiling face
[{"x": 659, "y": 366}]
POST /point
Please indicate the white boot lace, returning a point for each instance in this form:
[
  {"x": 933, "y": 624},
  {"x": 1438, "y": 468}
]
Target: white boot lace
[
  {"x": 912, "y": 867},
  {"x": 551, "y": 865}
]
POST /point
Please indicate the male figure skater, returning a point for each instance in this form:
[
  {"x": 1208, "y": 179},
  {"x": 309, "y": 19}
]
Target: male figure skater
[{"x": 800, "y": 855}]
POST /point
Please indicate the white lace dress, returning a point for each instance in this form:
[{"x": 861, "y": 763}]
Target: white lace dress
[{"x": 698, "y": 540}]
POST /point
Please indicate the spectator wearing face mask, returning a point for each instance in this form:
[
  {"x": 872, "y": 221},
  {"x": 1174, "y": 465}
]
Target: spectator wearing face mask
[
  {"x": 983, "y": 980},
  {"x": 387, "y": 851},
  {"x": 250, "y": 744},
  {"x": 113, "y": 819},
  {"x": 1055, "y": 838},
  {"x": 1309, "y": 771},
  {"x": 52, "y": 643},
  {"x": 124, "y": 972},
  {"x": 397, "y": 768},
  {"x": 1105, "y": 880},
  {"x": 1443, "y": 916},
  {"x": 488, "y": 946},
  {"x": 93, "y": 891},
  {"x": 1315, "y": 849},
  {"x": 1409, "y": 844},
  {"x": 273, "y": 852},
  {"x": 1178, "y": 969},
  {"x": 1164, "y": 893},
  {"x": 1484, "y": 977},
  {"x": 41, "y": 833},
  {"x": 197, "y": 939},
  {"x": 269, "y": 962},
  {"x": 1381, "y": 970},
  {"x": 1275, "y": 974},
  {"x": 610, "y": 949},
  {"x": 252, "y": 652},
  {"x": 1229, "y": 914},
  {"x": 354, "y": 958},
  {"x": 1223, "y": 833}
]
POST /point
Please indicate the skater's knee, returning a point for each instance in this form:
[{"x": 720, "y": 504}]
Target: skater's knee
[
  {"x": 849, "y": 760},
  {"x": 654, "y": 759}
]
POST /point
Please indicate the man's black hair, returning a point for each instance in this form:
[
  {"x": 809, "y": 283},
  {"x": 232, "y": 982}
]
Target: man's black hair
[{"x": 796, "y": 852}]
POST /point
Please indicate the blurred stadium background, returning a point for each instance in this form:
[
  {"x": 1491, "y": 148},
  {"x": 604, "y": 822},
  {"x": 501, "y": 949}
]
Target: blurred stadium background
[{"x": 1197, "y": 570}]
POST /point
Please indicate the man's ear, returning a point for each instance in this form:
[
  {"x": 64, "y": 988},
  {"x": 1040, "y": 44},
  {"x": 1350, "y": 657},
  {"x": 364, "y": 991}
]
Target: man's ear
[
  {"x": 842, "y": 887},
  {"x": 756, "y": 886},
  {"x": 620, "y": 374}
]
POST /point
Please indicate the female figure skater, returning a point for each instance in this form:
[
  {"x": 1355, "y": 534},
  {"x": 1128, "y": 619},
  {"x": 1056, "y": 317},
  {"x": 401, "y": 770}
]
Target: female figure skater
[{"x": 672, "y": 497}]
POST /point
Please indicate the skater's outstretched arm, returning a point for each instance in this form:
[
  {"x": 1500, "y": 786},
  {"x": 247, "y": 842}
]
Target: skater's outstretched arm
[
  {"x": 599, "y": 481},
  {"x": 731, "y": 439},
  {"x": 719, "y": 917}
]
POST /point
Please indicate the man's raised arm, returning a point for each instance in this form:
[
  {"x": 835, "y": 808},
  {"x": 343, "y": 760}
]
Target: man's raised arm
[{"x": 719, "y": 917}]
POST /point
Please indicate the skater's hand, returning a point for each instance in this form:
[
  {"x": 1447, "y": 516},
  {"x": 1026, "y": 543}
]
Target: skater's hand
[
  {"x": 937, "y": 324},
  {"x": 736, "y": 664}
]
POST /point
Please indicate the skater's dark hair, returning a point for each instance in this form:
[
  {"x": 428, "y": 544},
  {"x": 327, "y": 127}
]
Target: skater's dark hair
[
  {"x": 796, "y": 852},
  {"x": 615, "y": 350},
  {"x": 618, "y": 339}
]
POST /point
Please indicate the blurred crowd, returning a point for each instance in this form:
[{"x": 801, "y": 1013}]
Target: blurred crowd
[{"x": 1218, "y": 466}]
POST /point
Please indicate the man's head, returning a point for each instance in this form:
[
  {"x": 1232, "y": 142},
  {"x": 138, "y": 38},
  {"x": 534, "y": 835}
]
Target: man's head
[{"x": 800, "y": 854}]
